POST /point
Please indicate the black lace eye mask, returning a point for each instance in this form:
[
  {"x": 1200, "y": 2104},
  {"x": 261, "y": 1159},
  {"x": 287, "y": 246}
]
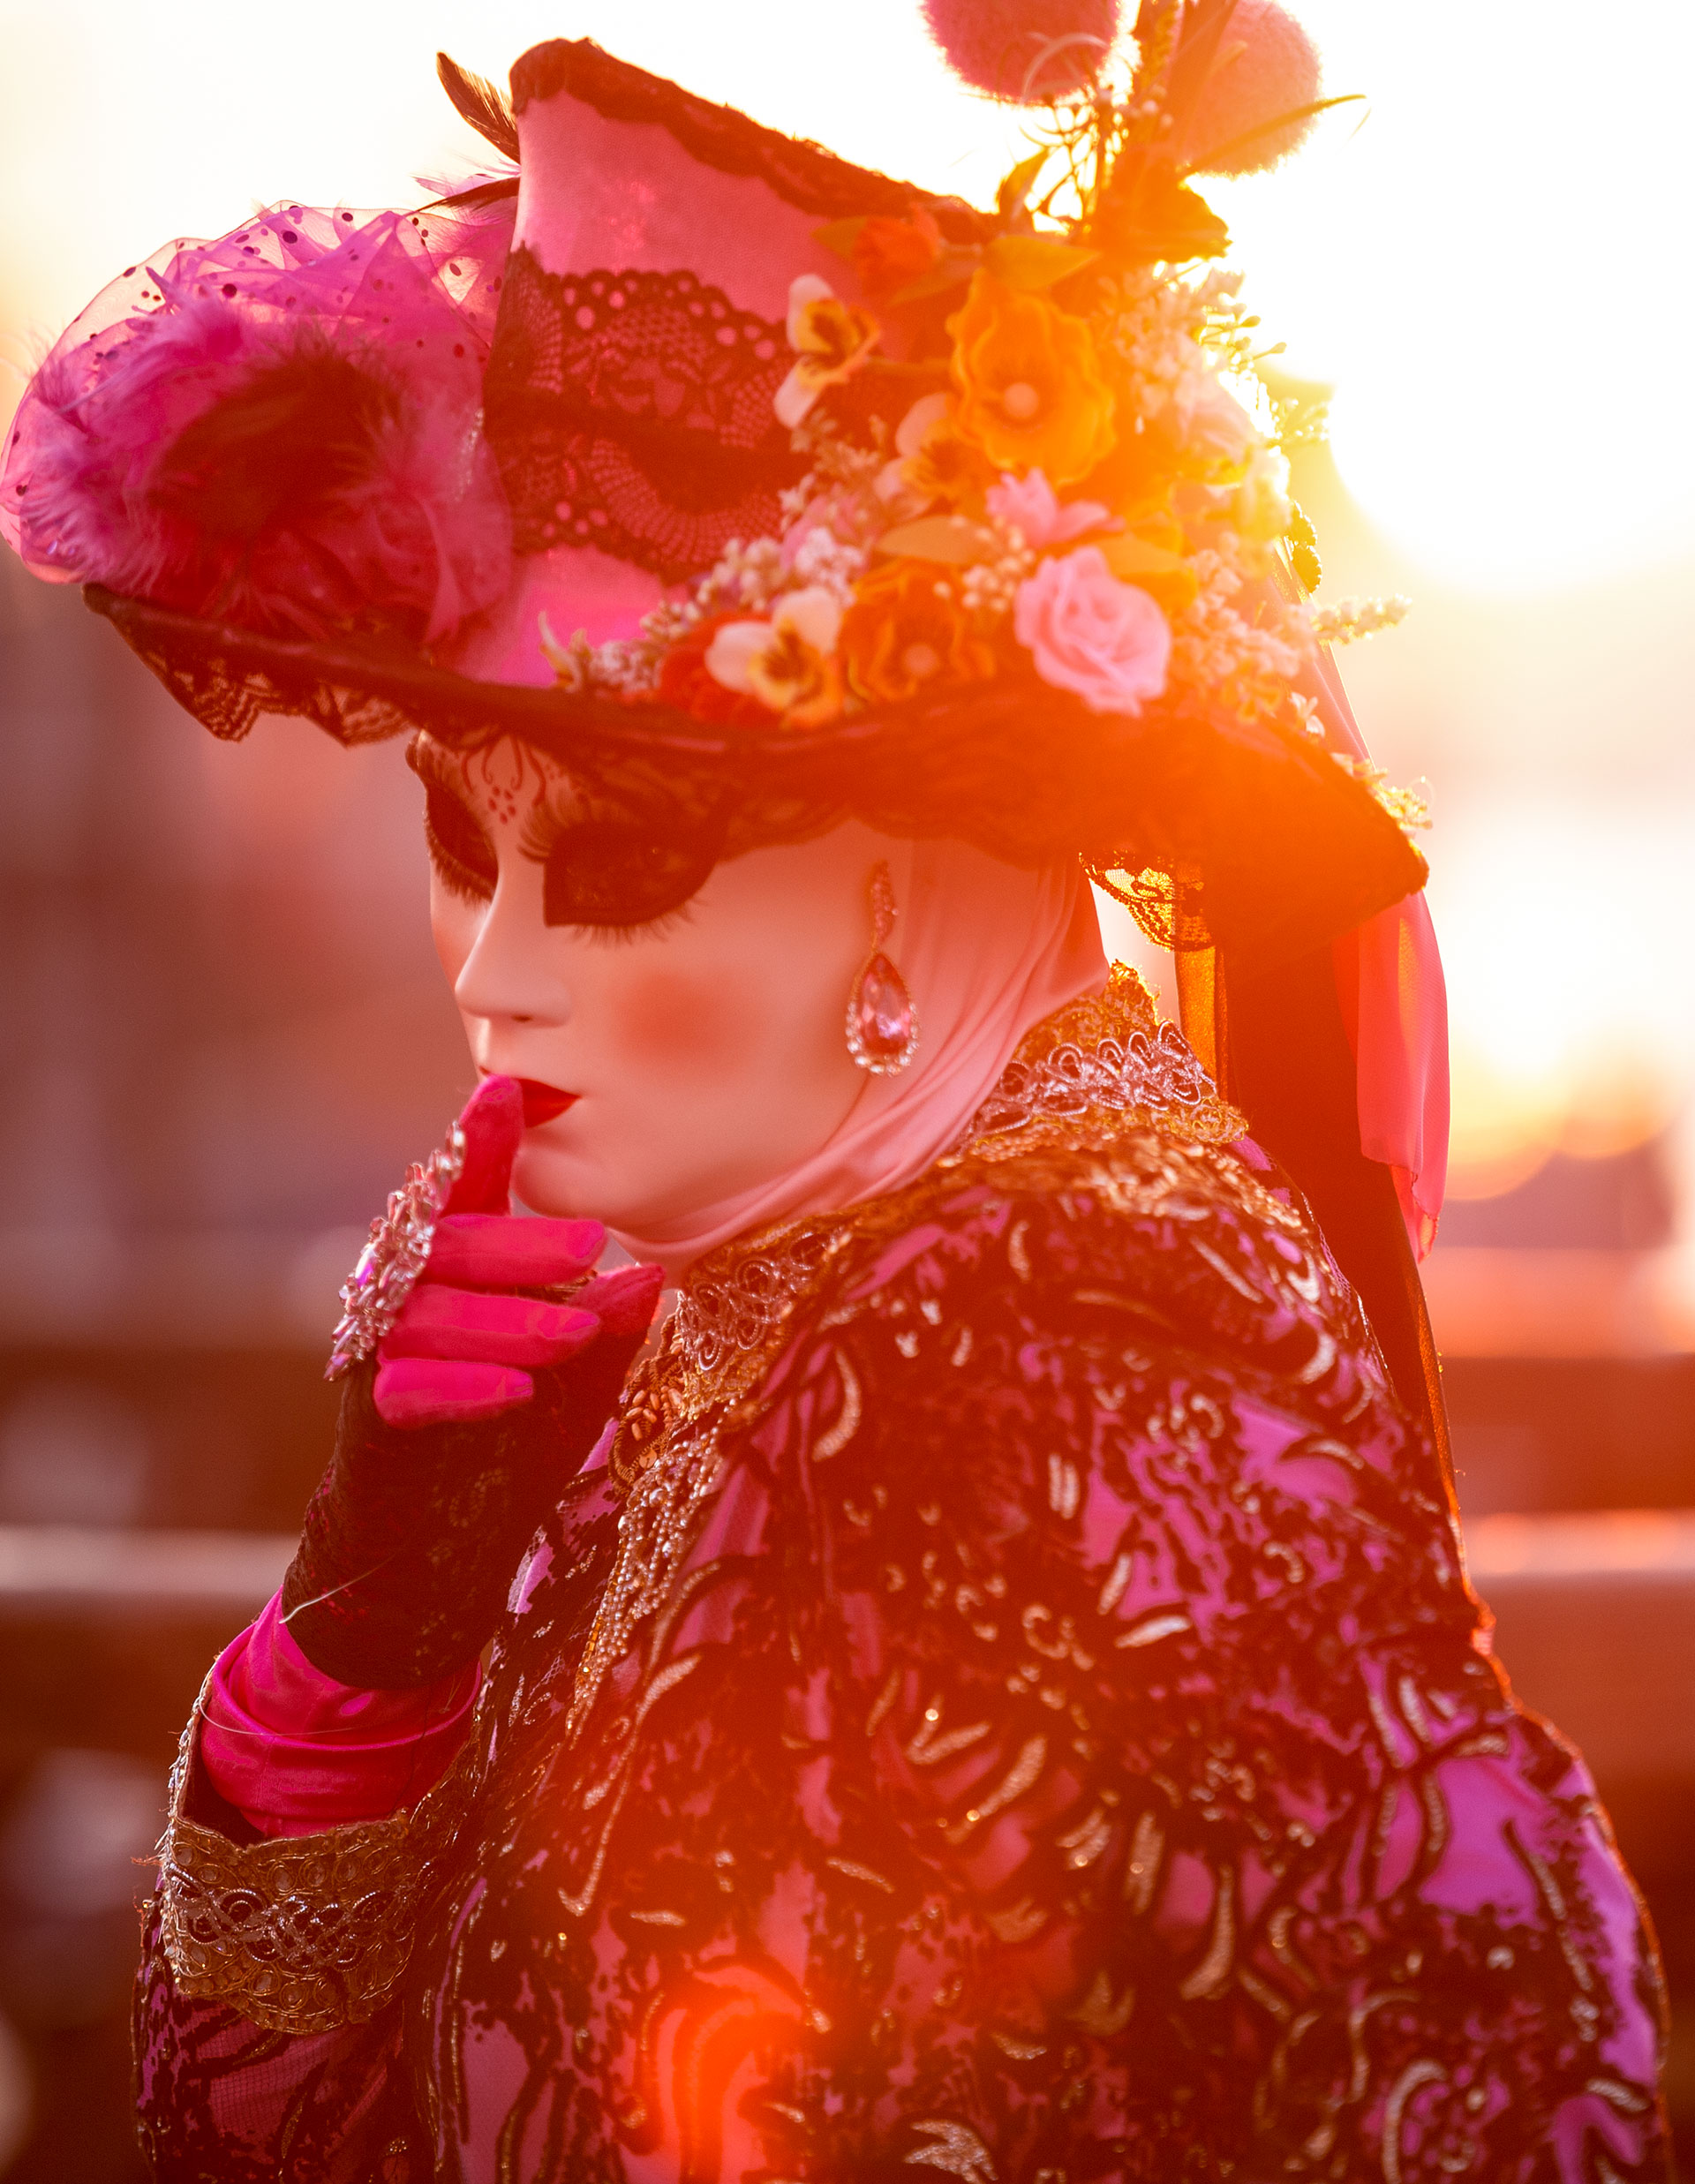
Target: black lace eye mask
[{"x": 617, "y": 872}]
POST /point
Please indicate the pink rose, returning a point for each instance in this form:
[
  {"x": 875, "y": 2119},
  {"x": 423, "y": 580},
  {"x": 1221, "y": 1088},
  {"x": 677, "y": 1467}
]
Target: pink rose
[
  {"x": 1087, "y": 632},
  {"x": 1212, "y": 421},
  {"x": 1032, "y": 506}
]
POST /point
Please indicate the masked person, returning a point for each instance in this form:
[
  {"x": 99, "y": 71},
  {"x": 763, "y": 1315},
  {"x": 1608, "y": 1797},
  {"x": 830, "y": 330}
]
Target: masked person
[{"x": 994, "y": 1690}]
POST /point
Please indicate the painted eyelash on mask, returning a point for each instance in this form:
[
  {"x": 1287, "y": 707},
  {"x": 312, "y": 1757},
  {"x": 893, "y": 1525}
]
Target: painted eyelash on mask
[
  {"x": 623, "y": 936},
  {"x": 457, "y": 878},
  {"x": 614, "y": 879},
  {"x": 447, "y": 815}
]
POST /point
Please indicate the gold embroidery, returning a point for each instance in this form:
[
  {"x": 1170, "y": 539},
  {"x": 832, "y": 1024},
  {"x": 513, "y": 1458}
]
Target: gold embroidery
[
  {"x": 1142, "y": 1872},
  {"x": 308, "y": 1932},
  {"x": 853, "y": 1871},
  {"x": 1154, "y": 1627},
  {"x": 1210, "y": 1974},
  {"x": 654, "y": 1534},
  {"x": 297, "y": 1933},
  {"x": 1081, "y": 1081},
  {"x": 847, "y": 1425},
  {"x": 1024, "y": 1774},
  {"x": 956, "y": 2150}
]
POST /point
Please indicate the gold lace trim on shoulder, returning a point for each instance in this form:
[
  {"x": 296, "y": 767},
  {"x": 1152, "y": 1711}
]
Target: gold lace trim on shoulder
[
  {"x": 1091, "y": 1072},
  {"x": 298, "y": 1933},
  {"x": 1083, "y": 1079}
]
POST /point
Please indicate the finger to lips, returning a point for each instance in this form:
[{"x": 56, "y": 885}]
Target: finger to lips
[
  {"x": 500, "y": 1251},
  {"x": 430, "y": 1392},
  {"x": 437, "y": 1322},
  {"x": 493, "y": 1122}
]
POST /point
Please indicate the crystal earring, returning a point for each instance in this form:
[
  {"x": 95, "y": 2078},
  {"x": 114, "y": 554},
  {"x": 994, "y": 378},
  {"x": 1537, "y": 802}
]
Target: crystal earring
[{"x": 882, "y": 1022}]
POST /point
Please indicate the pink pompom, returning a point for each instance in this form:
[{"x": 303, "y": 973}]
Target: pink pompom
[
  {"x": 1267, "y": 65},
  {"x": 1024, "y": 50}
]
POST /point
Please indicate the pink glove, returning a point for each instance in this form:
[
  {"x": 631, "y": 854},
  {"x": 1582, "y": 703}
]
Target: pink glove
[
  {"x": 458, "y": 1351},
  {"x": 459, "y": 1437}
]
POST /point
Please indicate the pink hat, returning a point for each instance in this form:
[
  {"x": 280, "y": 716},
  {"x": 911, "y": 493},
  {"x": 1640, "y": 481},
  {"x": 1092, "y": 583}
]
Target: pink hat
[
  {"x": 641, "y": 340},
  {"x": 756, "y": 487}
]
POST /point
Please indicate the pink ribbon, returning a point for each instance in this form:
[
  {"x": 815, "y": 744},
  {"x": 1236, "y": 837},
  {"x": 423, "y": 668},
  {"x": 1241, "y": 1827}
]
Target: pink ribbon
[{"x": 1395, "y": 1006}]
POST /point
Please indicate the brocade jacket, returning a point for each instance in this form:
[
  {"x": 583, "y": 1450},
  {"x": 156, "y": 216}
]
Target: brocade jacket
[{"x": 1010, "y": 1707}]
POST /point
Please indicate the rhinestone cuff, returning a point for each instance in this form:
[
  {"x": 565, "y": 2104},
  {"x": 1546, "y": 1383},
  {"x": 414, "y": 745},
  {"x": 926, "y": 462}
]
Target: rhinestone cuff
[{"x": 395, "y": 1256}]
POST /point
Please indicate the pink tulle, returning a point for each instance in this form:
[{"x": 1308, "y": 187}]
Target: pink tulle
[
  {"x": 295, "y": 1751},
  {"x": 1395, "y": 1004},
  {"x": 407, "y": 298}
]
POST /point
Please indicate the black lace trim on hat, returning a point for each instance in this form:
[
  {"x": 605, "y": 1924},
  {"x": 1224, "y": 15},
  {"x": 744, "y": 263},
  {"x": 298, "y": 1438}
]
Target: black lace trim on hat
[
  {"x": 803, "y": 174},
  {"x": 632, "y": 411}
]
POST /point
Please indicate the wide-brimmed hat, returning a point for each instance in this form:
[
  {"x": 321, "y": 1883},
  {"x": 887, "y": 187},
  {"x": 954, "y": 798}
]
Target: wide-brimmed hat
[{"x": 757, "y": 488}]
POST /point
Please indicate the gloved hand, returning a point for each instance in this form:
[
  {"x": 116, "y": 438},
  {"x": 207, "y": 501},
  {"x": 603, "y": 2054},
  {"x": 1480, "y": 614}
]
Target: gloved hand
[
  {"x": 458, "y": 1350},
  {"x": 464, "y": 1431}
]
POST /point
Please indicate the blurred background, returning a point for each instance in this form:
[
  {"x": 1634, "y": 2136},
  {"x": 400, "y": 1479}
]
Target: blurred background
[{"x": 222, "y": 1031}]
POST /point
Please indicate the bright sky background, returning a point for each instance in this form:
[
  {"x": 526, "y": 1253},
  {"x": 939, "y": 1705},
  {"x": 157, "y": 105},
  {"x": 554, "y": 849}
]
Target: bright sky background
[{"x": 1494, "y": 268}]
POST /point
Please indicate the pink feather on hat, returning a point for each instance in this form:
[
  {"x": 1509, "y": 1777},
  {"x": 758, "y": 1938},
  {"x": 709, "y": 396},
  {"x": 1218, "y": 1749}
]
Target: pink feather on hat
[
  {"x": 278, "y": 430},
  {"x": 1024, "y": 51}
]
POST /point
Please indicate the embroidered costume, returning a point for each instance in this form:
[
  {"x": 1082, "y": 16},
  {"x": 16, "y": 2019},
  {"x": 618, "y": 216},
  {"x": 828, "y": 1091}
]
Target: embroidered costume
[
  {"x": 1001, "y": 1697},
  {"x": 1010, "y": 1704}
]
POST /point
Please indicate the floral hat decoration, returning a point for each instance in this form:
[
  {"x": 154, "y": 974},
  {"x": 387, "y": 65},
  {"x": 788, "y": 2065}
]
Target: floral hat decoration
[{"x": 758, "y": 488}]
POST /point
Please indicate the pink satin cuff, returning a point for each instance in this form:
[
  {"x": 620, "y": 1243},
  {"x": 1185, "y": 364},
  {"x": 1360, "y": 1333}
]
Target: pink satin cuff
[{"x": 295, "y": 1751}]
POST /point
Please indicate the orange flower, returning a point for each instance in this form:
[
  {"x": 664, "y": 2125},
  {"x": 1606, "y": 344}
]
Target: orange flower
[
  {"x": 1032, "y": 393},
  {"x": 906, "y": 631},
  {"x": 889, "y": 254}
]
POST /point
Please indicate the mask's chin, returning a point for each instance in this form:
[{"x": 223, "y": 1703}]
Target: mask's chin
[
  {"x": 563, "y": 1186},
  {"x": 575, "y": 1186}
]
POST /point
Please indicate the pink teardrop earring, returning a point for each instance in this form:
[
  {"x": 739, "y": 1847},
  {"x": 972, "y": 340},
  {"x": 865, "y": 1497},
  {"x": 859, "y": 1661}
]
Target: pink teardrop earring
[{"x": 882, "y": 1022}]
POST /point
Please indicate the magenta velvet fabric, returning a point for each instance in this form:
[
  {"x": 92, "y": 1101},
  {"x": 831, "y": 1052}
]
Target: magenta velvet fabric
[
  {"x": 295, "y": 1751},
  {"x": 1067, "y": 1743}
]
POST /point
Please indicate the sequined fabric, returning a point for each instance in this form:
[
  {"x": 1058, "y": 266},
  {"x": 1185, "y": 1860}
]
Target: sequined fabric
[{"x": 1034, "y": 1728}]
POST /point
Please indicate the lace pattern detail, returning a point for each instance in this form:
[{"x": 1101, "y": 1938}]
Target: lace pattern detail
[
  {"x": 298, "y": 1933},
  {"x": 632, "y": 412},
  {"x": 1101, "y": 1065},
  {"x": 1102, "y": 1061},
  {"x": 654, "y": 1534}
]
